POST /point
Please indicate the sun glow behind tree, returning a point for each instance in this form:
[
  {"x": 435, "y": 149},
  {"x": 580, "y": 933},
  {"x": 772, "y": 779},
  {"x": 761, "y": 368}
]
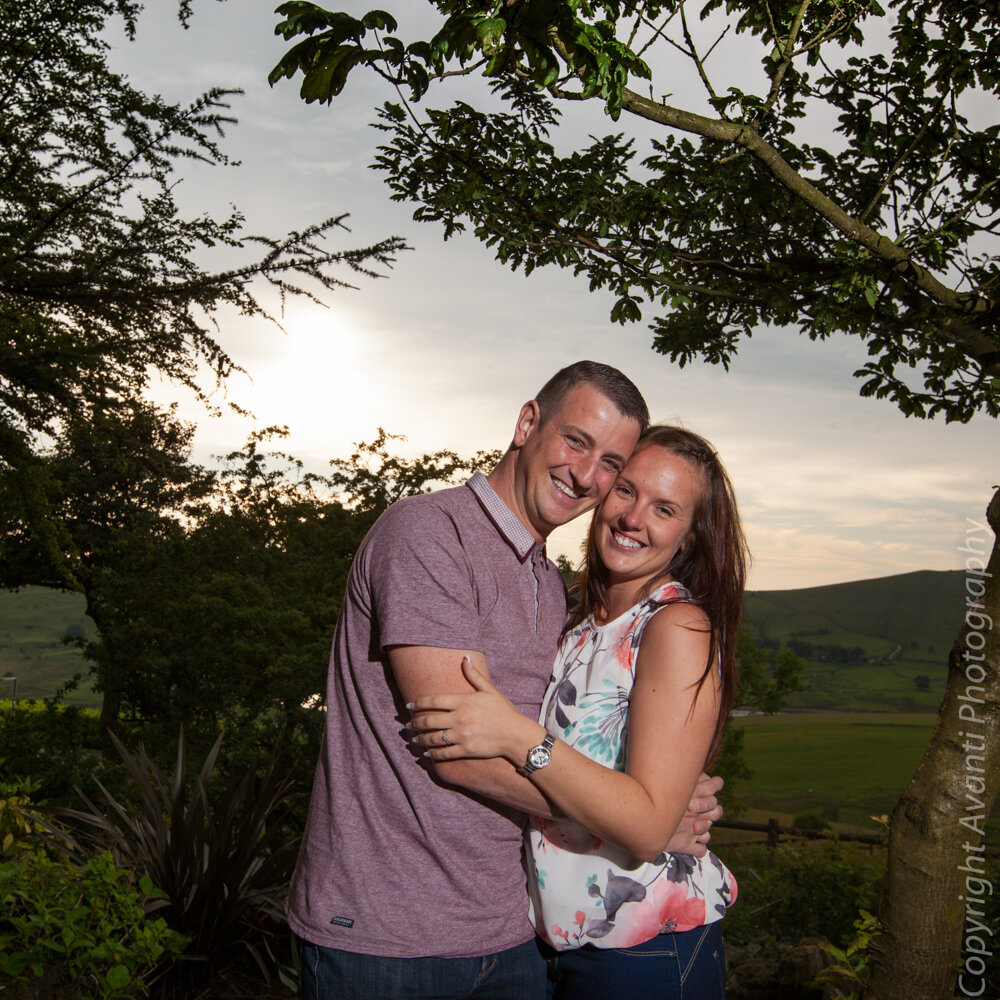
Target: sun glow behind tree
[{"x": 834, "y": 487}]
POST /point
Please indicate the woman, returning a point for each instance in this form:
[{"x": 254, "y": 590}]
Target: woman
[{"x": 652, "y": 643}]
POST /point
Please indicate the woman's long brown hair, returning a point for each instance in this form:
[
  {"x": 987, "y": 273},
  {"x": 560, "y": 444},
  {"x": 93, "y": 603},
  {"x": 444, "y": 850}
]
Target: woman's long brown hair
[{"x": 712, "y": 565}]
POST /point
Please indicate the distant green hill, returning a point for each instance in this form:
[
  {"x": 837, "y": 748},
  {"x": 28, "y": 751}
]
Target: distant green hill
[
  {"x": 923, "y": 608},
  {"x": 911, "y": 618},
  {"x": 905, "y": 624}
]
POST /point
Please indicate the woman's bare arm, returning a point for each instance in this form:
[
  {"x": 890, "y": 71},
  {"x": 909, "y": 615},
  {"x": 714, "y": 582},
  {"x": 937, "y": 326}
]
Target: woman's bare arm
[{"x": 670, "y": 730}]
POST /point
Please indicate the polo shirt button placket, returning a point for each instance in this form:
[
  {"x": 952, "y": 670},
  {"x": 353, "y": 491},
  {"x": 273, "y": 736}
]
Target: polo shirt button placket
[{"x": 537, "y": 554}]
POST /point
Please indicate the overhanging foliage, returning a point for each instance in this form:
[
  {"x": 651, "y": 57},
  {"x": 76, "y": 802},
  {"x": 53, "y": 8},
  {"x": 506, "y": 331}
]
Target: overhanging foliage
[
  {"x": 102, "y": 276},
  {"x": 733, "y": 215}
]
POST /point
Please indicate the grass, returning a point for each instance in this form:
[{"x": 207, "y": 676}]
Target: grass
[
  {"x": 33, "y": 622},
  {"x": 853, "y": 765},
  {"x": 888, "y": 686}
]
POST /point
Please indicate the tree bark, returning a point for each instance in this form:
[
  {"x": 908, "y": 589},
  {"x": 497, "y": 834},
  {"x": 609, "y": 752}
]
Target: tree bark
[
  {"x": 936, "y": 834},
  {"x": 111, "y": 696}
]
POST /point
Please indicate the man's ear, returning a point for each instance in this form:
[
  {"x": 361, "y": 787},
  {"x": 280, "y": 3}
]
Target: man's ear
[{"x": 527, "y": 421}]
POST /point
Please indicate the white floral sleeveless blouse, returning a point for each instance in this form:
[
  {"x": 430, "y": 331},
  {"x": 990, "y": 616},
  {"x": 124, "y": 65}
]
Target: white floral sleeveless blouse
[{"x": 585, "y": 890}]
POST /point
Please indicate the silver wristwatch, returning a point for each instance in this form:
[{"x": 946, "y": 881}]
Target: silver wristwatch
[{"x": 538, "y": 756}]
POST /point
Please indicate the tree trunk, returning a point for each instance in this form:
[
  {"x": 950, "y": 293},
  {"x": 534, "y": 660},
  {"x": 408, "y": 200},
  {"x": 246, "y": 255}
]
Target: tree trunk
[
  {"x": 934, "y": 891},
  {"x": 111, "y": 697}
]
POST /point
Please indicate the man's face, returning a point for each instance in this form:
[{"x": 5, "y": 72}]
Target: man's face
[{"x": 567, "y": 465}]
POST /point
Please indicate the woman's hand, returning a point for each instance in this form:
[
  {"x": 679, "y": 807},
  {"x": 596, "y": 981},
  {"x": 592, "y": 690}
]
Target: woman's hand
[{"x": 482, "y": 723}]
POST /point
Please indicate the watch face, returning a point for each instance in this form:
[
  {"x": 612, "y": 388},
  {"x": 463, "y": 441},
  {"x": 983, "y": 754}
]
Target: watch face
[{"x": 539, "y": 757}]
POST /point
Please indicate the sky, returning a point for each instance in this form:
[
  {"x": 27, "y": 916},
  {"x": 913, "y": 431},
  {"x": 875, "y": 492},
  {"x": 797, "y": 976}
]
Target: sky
[{"x": 446, "y": 348}]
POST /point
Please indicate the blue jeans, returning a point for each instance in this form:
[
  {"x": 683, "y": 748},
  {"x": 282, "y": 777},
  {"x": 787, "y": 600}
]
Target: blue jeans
[
  {"x": 330, "y": 974},
  {"x": 686, "y": 966}
]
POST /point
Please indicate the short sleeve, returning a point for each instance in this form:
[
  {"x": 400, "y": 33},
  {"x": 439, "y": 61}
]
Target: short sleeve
[{"x": 422, "y": 585}]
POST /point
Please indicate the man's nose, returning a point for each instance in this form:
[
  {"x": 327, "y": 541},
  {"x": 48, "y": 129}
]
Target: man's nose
[{"x": 585, "y": 473}]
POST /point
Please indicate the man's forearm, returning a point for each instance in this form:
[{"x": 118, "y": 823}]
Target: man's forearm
[
  {"x": 495, "y": 778},
  {"x": 431, "y": 670}
]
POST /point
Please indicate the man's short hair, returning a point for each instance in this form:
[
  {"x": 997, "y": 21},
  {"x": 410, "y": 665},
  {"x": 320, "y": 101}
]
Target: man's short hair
[{"x": 608, "y": 381}]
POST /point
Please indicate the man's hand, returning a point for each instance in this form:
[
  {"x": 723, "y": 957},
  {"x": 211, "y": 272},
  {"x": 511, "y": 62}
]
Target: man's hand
[{"x": 694, "y": 832}]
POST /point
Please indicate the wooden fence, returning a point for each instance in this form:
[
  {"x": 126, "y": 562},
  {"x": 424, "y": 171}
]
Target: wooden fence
[{"x": 775, "y": 830}]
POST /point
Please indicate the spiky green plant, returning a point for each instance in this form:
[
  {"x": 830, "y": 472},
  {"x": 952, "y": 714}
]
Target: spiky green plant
[{"x": 223, "y": 859}]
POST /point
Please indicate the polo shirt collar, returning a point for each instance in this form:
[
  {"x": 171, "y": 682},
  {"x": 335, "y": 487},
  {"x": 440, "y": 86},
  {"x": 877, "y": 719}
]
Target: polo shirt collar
[{"x": 507, "y": 522}]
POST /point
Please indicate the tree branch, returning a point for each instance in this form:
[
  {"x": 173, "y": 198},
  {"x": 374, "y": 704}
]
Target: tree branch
[
  {"x": 827, "y": 31},
  {"x": 659, "y": 32},
  {"x": 584, "y": 242},
  {"x": 969, "y": 339},
  {"x": 771, "y": 24},
  {"x": 969, "y": 206},
  {"x": 458, "y": 72},
  {"x": 694, "y": 54},
  {"x": 894, "y": 169},
  {"x": 789, "y": 52}
]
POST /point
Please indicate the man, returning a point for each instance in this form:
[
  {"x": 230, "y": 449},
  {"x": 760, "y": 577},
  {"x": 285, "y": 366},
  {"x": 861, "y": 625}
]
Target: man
[{"x": 410, "y": 881}]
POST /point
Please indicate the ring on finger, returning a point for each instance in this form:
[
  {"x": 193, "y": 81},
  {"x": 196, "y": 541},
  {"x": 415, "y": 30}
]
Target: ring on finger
[{"x": 444, "y": 738}]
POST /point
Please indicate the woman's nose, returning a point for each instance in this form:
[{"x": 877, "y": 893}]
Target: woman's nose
[{"x": 630, "y": 518}]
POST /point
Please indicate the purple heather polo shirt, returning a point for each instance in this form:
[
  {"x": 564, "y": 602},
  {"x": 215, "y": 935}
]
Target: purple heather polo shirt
[{"x": 395, "y": 862}]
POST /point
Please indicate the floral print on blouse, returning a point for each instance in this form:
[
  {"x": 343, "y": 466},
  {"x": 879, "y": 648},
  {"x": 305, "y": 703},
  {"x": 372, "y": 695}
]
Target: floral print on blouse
[{"x": 585, "y": 890}]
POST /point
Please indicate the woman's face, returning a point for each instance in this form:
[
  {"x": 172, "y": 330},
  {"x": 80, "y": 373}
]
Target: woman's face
[{"x": 648, "y": 515}]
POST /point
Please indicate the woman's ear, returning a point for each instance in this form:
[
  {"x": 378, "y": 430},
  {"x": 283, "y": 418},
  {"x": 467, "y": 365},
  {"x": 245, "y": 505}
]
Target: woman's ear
[{"x": 686, "y": 545}]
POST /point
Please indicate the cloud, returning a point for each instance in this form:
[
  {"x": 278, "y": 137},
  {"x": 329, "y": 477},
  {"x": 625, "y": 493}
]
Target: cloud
[{"x": 832, "y": 487}]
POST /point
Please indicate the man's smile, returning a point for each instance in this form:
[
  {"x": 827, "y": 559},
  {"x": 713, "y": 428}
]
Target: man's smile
[{"x": 563, "y": 488}]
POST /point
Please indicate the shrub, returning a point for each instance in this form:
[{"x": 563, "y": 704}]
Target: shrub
[
  {"x": 55, "y": 744},
  {"x": 19, "y": 823},
  {"x": 850, "y": 965},
  {"x": 222, "y": 858},
  {"x": 793, "y": 892},
  {"x": 77, "y": 932}
]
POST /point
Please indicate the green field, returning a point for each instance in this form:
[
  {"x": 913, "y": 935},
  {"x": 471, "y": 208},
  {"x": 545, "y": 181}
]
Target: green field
[
  {"x": 917, "y": 610},
  {"x": 33, "y": 622},
  {"x": 904, "y": 623},
  {"x": 888, "y": 686},
  {"x": 856, "y": 763}
]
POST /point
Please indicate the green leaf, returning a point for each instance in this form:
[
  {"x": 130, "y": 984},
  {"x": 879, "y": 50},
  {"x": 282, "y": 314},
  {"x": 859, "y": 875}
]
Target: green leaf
[
  {"x": 327, "y": 80},
  {"x": 379, "y": 19},
  {"x": 119, "y": 977},
  {"x": 490, "y": 32}
]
